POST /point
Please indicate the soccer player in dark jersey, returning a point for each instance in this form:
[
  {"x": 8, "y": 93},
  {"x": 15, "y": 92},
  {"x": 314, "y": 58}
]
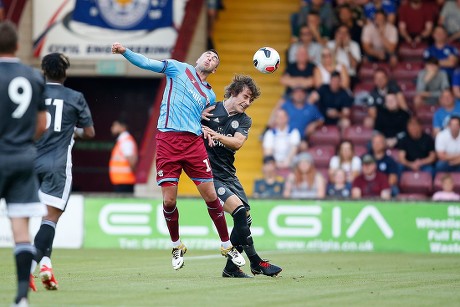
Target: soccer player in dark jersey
[
  {"x": 68, "y": 114},
  {"x": 179, "y": 142},
  {"x": 22, "y": 118},
  {"x": 227, "y": 129}
]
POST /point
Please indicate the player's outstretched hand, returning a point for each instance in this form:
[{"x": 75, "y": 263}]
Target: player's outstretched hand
[
  {"x": 118, "y": 48},
  {"x": 208, "y": 135},
  {"x": 207, "y": 112}
]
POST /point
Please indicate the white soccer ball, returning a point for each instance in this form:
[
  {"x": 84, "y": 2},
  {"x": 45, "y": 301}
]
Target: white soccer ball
[{"x": 266, "y": 60}]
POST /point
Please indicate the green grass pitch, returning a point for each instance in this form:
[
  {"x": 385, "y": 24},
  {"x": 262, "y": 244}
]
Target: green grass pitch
[{"x": 146, "y": 278}]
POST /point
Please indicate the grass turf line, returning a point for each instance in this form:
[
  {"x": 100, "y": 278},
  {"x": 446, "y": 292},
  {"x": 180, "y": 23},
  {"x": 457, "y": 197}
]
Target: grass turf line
[{"x": 146, "y": 278}]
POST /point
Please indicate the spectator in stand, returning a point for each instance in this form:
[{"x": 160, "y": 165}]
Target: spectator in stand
[
  {"x": 281, "y": 142},
  {"x": 431, "y": 81},
  {"x": 346, "y": 160},
  {"x": 272, "y": 185},
  {"x": 387, "y": 6},
  {"x": 416, "y": 149},
  {"x": 385, "y": 163},
  {"x": 306, "y": 40},
  {"x": 456, "y": 83},
  {"x": 303, "y": 116},
  {"x": 304, "y": 181},
  {"x": 300, "y": 73},
  {"x": 382, "y": 87},
  {"x": 346, "y": 19},
  {"x": 416, "y": 20},
  {"x": 449, "y": 107},
  {"x": 338, "y": 187},
  {"x": 450, "y": 19},
  {"x": 446, "y": 54},
  {"x": 447, "y": 193},
  {"x": 447, "y": 146},
  {"x": 391, "y": 120},
  {"x": 321, "y": 34},
  {"x": 328, "y": 65},
  {"x": 346, "y": 52},
  {"x": 321, "y": 8},
  {"x": 334, "y": 102},
  {"x": 370, "y": 183},
  {"x": 379, "y": 40}
]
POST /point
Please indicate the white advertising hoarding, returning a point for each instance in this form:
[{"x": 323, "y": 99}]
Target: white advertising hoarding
[{"x": 69, "y": 230}]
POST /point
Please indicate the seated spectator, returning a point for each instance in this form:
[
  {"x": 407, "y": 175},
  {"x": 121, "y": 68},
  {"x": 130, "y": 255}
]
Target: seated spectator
[
  {"x": 339, "y": 187},
  {"x": 321, "y": 34},
  {"x": 416, "y": 20},
  {"x": 370, "y": 183},
  {"x": 446, "y": 54},
  {"x": 328, "y": 65},
  {"x": 306, "y": 40},
  {"x": 300, "y": 73},
  {"x": 321, "y": 8},
  {"x": 447, "y": 146},
  {"x": 416, "y": 149},
  {"x": 372, "y": 7},
  {"x": 431, "y": 81},
  {"x": 385, "y": 163},
  {"x": 334, "y": 102},
  {"x": 391, "y": 120},
  {"x": 346, "y": 160},
  {"x": 353, "y": 24},
  {"x": 272, "y": 185},
  {"x": 281, "y": 141},
  {"x": 449, "y": 106},
  {"x": 303, "y": 116},
  {"x": 447, "y": 193},
  {"x": 456, "y": 83},
  {"x": 450, "y": 19},
  {"x": 382, "y": 87},
  {"x": 304, "y": 181},
  {"x": 379, "y": 40}
]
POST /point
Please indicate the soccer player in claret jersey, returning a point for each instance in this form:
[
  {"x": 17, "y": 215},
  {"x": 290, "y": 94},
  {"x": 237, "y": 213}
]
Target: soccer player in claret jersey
[
  {"x": 226, "y": 130},
  {"x": 22, "y": 118},
  {"x": 179, "y": 142},
  {"x": 68, "y": 115}
]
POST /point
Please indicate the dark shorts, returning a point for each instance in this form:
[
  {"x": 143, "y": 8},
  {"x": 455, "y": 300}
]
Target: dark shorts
[
  {"x": 19, "y": 185},
  {"x": 225, "y": 189},
  {"x": 177, "y": 151}
]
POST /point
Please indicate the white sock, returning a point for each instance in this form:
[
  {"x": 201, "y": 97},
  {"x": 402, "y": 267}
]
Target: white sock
[
  {"x": 46, "y": 261},
  {"x": 177, "y": 243},
  {"x": 33, "y": 266},
  {"x": 226, "y": 244}
]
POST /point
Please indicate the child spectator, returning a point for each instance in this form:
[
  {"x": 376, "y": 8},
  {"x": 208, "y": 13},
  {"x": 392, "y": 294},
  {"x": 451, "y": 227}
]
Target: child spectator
[
  {"x": 447, "y": 193},
  {"x": 272, "y": 185},
  {"x": 339, "y": 187}
]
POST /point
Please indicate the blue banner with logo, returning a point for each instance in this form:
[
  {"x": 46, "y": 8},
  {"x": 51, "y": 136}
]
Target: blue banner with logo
[{"x": 127, "y": 15}]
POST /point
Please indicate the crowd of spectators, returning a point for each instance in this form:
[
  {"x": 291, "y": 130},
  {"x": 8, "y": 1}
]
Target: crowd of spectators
[{"x": 372, "y": 103}]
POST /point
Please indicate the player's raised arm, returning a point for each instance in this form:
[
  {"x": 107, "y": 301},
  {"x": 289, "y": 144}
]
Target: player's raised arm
[{"x": 137, "y": 59}]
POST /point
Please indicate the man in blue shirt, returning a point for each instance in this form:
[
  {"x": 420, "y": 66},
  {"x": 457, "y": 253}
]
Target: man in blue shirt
[
  {"x": 448, "y": 107},
  {"x": 446, "y": 54},
  {"x": 179, "y": 142}
]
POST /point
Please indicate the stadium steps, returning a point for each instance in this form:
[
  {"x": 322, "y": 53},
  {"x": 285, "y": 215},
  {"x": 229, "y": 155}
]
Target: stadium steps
[{"x": 242, "y": 28}]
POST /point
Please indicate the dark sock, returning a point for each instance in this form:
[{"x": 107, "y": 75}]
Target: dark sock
[
  {"x": 24, "y": 254},
  {"x": 230, "y": 266},
  {"x": 44, "y": 240},
  {"x": 252, "y": 254},
  {"x": 216, "y": 212},
  {"x": 241, "y": 226},
  {"x": 171, "y": 215}
]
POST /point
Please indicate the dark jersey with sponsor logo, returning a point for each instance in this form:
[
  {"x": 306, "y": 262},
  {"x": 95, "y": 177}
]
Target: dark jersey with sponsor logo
[{"x": 221, "y": 157}]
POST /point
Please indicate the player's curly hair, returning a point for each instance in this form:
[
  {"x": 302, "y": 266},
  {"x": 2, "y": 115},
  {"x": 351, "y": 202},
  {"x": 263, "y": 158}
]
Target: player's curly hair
[
  {"x": 54, "y": 66},
  {"x": 239, "y": 83},
  {"x": 8, "y": 37}
]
